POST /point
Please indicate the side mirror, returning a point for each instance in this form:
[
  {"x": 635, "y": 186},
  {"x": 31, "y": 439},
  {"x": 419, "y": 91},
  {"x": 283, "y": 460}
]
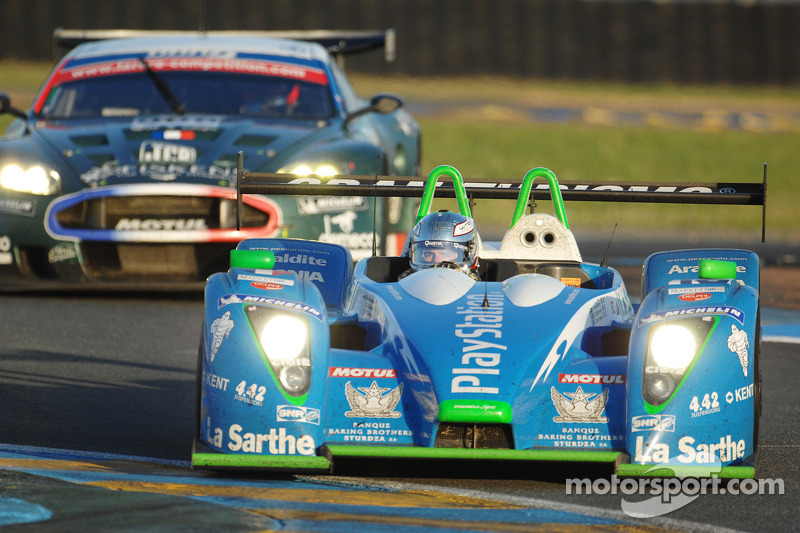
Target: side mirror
[
  {"x": 380, "y": 103},
  {"x": 5, "y": 107}
]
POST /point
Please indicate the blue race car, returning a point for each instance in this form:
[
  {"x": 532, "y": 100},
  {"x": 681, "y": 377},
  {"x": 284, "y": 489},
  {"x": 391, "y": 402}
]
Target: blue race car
[
  {"x": 519, "y": 351},
  {"x": 123, "y": 170}
]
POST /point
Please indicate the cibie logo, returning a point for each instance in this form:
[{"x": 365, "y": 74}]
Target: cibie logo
[{"x": 653, "y": 423}]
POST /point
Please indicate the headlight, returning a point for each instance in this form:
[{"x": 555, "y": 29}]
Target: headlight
[
  {"x": 284, "y": 337},
  {"x": 34, "y": 179},
  {"x": 285, "y": 341},
  {"x": 673, "y": 346},
  {"x": 294, "y": 379},
  {"x": 319, "y": 170},
  {"x": 672, "y": 350}
]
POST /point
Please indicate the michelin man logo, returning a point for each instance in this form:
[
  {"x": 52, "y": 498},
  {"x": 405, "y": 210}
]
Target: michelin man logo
[
  {"x": 738, "y": 344},
  {"x": 220, "y": 329}
]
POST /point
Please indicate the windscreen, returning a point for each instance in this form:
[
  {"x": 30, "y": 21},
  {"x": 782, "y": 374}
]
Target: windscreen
[{"x": 165, "y": 92}]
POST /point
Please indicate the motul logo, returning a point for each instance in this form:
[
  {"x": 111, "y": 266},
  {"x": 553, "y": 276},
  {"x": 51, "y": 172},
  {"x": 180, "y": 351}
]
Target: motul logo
[
  {"x": 161, "y": 224},
  {"x": 339, "y": 372},
  {"x": 597, "y": 379}
]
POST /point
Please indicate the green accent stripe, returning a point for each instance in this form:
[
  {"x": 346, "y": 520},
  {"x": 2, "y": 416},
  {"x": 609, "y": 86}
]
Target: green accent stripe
[
  {"x": 525, "y": 192},
  {"x": 430, "y": 189},
  {"x": 287, "y": 462},
  {"x": 726, "y": 472},
  {"x": 418, "y": 452},
  {"x": 475, "y": 411}
]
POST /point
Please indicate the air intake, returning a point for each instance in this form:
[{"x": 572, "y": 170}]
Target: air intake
[{"x": 461, "y": 435}]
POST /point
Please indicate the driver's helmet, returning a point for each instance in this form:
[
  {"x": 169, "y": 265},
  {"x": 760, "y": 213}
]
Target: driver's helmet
[{"x": 444, "y": 237}]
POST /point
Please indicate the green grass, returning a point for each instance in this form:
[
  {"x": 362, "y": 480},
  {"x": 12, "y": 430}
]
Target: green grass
[
  {"x": 591, "y": 153},
  {"x": 498, "y": 144}
]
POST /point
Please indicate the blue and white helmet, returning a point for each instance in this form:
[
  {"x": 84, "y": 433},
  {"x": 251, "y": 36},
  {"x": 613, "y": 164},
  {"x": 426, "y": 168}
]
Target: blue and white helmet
[{"x": 444, "y": 237}]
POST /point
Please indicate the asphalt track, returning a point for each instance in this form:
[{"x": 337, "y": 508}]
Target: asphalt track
[{"x": 97, "y": 425}]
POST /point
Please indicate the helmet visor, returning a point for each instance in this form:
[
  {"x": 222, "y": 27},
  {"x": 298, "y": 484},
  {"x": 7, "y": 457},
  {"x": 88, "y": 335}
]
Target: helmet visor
[{"x": 428, "y": 253}]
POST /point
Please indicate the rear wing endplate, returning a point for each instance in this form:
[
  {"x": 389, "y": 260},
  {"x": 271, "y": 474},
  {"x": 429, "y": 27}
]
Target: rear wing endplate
[
  {"x": 337, "y": 42},
  {"x": 713, "y": 193}
]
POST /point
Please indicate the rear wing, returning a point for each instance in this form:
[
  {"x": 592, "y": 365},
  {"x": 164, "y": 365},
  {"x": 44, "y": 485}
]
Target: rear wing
[
  {"x": 337, "y": 42},
  {"x": 718, "y": 193}
]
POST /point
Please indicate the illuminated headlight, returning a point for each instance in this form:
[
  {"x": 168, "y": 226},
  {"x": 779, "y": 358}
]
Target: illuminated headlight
[
  {"x": 284, "y": 338},
  {"x": 33, "y": 180},
  {"x": 306, "y": 170},
  {"x": 285, "y": 341},
  {"x": 673, "y": 346}
]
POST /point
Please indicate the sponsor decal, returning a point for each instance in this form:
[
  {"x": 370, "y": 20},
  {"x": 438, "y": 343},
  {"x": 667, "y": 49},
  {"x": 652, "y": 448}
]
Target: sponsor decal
[
  {"x": 463, "y": 228},
  {"x": 651, "y": 369},
  {"x": 478, "y": 327},
  {"x": 267, "y": 286},
  {"x": 694, "y": 297},
  {"x": 252, "y": 395},
  {"x": 577, "y": 406},
  {"x": 158, "y": 171},
  {"x": 277, "y": 281},
  {"x": 369, "y": 432},
  {"x": 220, "y": 330},
  {"x": 177, "y": 122},
  {"x": 580, "y": 437},
  {"x": 595, "y": 379},
  {"x": 228, "y": 299},
  {"x": 156, "y": 152},
  {"x": 677, "y": 269},
  {"x": 653, "y": 423},
  {"x": 275, "y": 442},
  {"x": 161, "y": 224},
  {"x": 692, "y": 290},
  {"x": 295, "y": 413},
  {"x": 571, "y": 297},
  {"x": 725, "y": 450},
  {"x": 708, "y": 405},
  {"x": 342, "y": 372},
  {"x": 17, "y": 207},
  {"x": 61, "y": 253},
  {"x": 740, "y": 394},
  {"x": 314, "y": 205},
  {"x": 397, "y": 183},
  {"x": 345, "y": 221},
  {"x": 732, "y": 312},
  {"x": 373, "y": 401},
  {"x": 358, "y": 243},
  {"x": 299, "y": 259},
  {"x": 571, "y": 282},
  {"x": 738, "y": 344},
  {"x": 215, "y": 382},
  {"x": 283, "y": 304}
]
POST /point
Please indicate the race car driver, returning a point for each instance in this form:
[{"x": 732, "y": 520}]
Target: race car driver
[{"x": 444, "y": 239}]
